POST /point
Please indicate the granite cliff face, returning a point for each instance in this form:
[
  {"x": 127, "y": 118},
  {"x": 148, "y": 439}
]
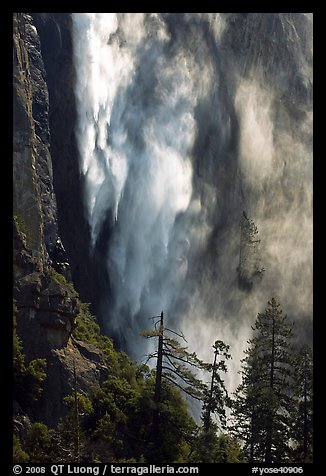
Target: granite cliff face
[
  {"x": 47, "y": 303},
  {"x": 27, "y": 189},
  {"x": 89, "y": 273}
]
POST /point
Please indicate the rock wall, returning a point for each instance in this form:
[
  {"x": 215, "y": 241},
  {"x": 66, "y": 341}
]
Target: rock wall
[
  {"x": 47, "y": 303},
  {"x": 27, "y": 201},
  {"x": 87, "y": 266}
]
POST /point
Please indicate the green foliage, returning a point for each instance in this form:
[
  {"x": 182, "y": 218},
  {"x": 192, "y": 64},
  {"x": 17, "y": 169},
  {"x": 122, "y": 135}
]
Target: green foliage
[
  {"x": 28, "y": 379},
  {"x": 36, "y": 446},
  {"x": 229, "y": 451},
  {"x": 175, "y": 370},
  {"x": 216, "y": 398},
  {"x": 38, "y": 443},
  {"x": 84, "y": 403},
  {"x": 262, "y": 404},
  {"x": 178, "y": 363},
  {"x": 109, "y": 416},
  {"x": 88, "y": 331},
  {"x": 208, "y": 447},
  {"x": 172, "y": 443},
  {"x": 21, "y": 225},
  {"x": 110, "y": 426},
  {"x": 19, "y": 455},
  {"x": 72, "y": 429},
  {"x": 34, "y": 378},
  {"x": 250, "y": 268},
  {"x": 59, "y": 278},
  {"x": 87, "y": 328},
  {"x": 302, "y": 407},
  {"x": 114, "y": 422},
  {"x": 18, "y": 355}
]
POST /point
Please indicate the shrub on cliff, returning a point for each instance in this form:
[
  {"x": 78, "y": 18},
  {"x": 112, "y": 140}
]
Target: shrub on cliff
[{"x": 28, "y": 379}]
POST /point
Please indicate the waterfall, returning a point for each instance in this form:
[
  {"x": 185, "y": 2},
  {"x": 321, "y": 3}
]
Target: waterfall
[{"x": 185, "y": 120}]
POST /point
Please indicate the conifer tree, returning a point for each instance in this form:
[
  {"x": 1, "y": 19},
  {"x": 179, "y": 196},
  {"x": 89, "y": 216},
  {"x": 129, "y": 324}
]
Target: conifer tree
[
  {"x": 250, "y": 269},
  {"x": 173, "y": 365},
  {"x": 208, "y": 446},
  {"x": 262, "y": 405},
  {"x": 217, "y": 396},
  {"x": 302, "y": 408}
]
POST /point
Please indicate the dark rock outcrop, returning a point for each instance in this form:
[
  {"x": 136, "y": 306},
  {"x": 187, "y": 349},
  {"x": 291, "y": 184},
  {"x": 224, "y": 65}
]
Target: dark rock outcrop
[
  {"x": 47, "y": 304},
  {"x": 89, "y": 273},
  {"x": 27, "y": 197},
  {"x": 61, "y": 363},
  {"x": 47, "y": 312},
  {"x": 34, "y": 199},
  {"x": 21, "y": 421}
]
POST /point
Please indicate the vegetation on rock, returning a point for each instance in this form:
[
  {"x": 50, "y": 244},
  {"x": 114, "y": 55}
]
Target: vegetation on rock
[
  {"x": 114, "y": 421},
  {"x": 28, "y": 378}
]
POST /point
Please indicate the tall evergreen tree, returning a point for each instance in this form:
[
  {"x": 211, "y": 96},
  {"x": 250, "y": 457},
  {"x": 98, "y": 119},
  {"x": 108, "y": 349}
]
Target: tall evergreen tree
[
  {"x": 262, "y": 404},
  {"x": 246, "y": 425},
  {"x": 250, "y": 269},
  {"x": 302, "y": 409},
  {"x": 208, "y": 446},
  {"x": 174, "y": 364},
  {"x": 217, "y": 395}
]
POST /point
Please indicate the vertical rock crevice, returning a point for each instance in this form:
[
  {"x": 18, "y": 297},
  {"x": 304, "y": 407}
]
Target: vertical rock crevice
[
  {"x": 26, "y": 196},
  {"x": 47, "y": 305},
  {"x": 88, "y": 268}
]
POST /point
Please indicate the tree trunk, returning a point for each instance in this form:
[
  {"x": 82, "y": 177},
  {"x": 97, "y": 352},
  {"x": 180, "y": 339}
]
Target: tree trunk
[
  {"x": 210, "y": 398},
  {"x": 158, "y": 382},
  {"x": 77, "y": 436},
  {"x": 269, "y": 435},
  {"x": 305, "y": 421}
]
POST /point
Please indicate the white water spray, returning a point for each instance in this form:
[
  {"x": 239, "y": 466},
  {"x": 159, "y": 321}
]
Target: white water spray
[{"x": 184, "y": 121}]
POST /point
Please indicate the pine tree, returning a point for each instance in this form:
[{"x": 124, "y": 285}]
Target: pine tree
[
  {"x": 245, "y": 405},
  {"x": 249, "y": 269},
  {"x": 262, "y": 406},
  {"x": 38, "y": 443},
  {"x": 209, "y": 447},
  {"x": 70, "y": 434},
  {"x": 217, "y": 396},
  {"x": 302, "y": 409},
  {"x": 174, "y": 365}
]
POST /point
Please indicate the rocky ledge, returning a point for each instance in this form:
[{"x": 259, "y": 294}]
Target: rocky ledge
[{"x": 48, "y": 307}]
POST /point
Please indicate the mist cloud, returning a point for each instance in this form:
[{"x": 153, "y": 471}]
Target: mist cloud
[{"x": 183, "y": 123}]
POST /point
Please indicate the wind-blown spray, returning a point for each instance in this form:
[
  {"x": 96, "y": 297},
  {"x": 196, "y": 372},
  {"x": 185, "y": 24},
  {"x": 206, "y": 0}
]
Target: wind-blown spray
[{"x": 184, "y": 122}]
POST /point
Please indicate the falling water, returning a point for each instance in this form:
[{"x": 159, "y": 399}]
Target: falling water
[{"x": 184, "y": 122}]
